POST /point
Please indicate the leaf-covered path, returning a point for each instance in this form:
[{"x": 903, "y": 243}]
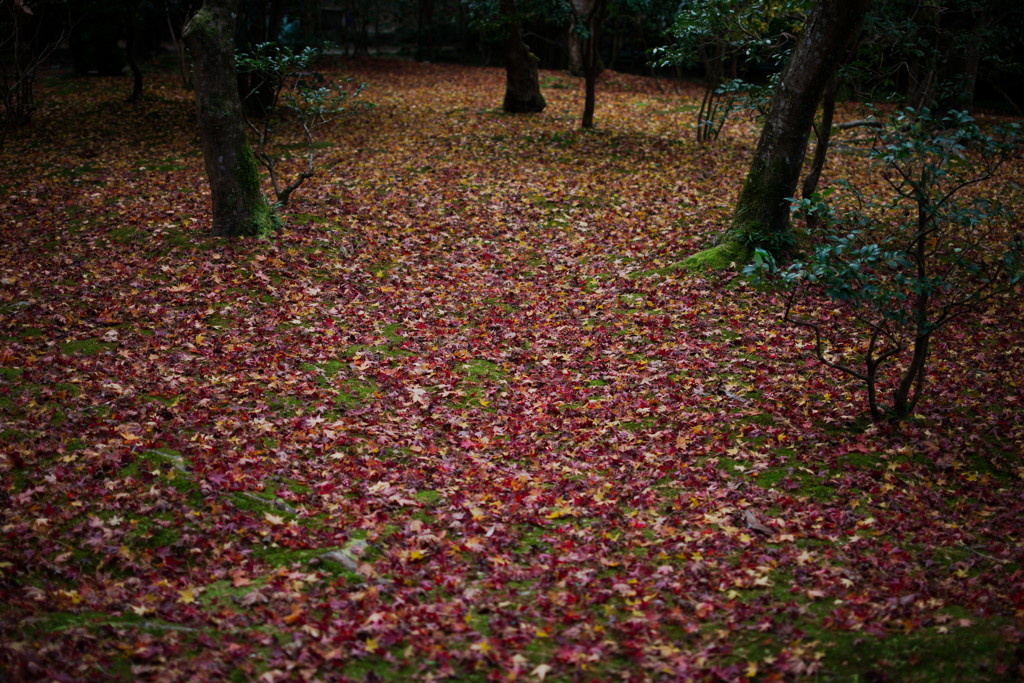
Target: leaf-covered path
[{"x": 464, "y": 416}]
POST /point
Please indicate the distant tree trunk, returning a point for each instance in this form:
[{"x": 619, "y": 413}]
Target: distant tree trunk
[
  {"x": 309, "y": 18},
  {"x": 522, "y": 84},
  {"x": 425, "y": 48},
  {"x": 238, "y": 204},
  {"x": 575, "y": 49},
  {"x": 132, "y": 54},
  {"x": 263, "y": 26},
  {"x": 945, "y": 79},
  {"x": 588, "y": 15},
  {"x": 761, "y": 216}
]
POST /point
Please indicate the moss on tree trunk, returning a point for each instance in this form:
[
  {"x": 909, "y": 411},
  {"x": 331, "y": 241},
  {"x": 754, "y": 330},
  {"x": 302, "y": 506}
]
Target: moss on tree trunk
[{"x": 239, "y": 208}]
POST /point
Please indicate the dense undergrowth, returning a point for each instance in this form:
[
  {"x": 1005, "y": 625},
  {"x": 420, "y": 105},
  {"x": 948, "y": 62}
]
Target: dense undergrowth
[{"x": 465, "y": 416}]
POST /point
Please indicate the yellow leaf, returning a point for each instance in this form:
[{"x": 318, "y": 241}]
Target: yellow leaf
[
  {"x": 273, "y": 519},
  {"x": 187, "y": 596},
  {"x": 560, "y": 512},
  {"x": 371, "y": 645}
]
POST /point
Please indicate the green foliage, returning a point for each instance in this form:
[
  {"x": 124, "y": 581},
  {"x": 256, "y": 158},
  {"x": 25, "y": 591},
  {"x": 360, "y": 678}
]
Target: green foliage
[
  {"x": 726, "y": 37},
  {"x": 487, "y": 15},
  {"x": 914, "y": 52},
  {"x": 751, "y": 30},
  {"x": 300, "y": 96},
  {"x": 902, "y": 269}
]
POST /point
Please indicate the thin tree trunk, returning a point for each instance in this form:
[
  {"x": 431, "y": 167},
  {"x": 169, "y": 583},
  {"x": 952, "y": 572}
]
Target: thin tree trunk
[
  {"x": 239, "y": 207},
  {"x": 132, "y": 55},
  {"x": 425, "y": 47},
  {"x": 522, "y": 83},
  {"x": 179, "y": 47},
  {"x": 910, "y": 385},
  {"x": 590, "y": 14},
  {"x": 822, "y": 134}
]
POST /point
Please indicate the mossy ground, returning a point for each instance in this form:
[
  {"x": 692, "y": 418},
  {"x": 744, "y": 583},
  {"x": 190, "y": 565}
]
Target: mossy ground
[{"x": 531, "y": 426}]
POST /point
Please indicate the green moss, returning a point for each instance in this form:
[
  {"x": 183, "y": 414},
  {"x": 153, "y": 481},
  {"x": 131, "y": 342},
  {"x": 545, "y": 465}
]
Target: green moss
[
  {"x": 724, "y": 256},
  {"x": 85, "y": 347},
  {"x": 376, "y": 668},
  {"x": 170, "y": 466},
  {"x": 868, "y": 461},
  {"x": 982, "y": 651},
  {"x": 259, "y": 502},
  {"x": 218, "y": 322},
  {"x": 763, "y": 419},
  {"x": 428, "y": 497},
  {"x": 124, "y": 235},
  {"x": 13, "y": 436},
  {"x": 10, "y": 374},
  {"x": 154, "y": 534},
  {"x": 286, "y": 406},
  {"x": 354, "y": 393},
  {"x": 479, "y": 367},
  {"x": 225, "y": 592},
  {"x": 169, "y": 401}
]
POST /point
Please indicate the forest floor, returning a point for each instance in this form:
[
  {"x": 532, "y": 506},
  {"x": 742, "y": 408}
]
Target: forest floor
[{"x": 465, "y": 416}]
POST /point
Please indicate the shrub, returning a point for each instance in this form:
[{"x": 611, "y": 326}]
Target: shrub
[
  {"x": 299, "y": 95},
  {"x": 898, "y": 270}
]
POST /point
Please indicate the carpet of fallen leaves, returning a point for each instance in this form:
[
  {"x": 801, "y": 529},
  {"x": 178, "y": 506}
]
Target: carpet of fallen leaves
[{"x": 464, "y": 416}]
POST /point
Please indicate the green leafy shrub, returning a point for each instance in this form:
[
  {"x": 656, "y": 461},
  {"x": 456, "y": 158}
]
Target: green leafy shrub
[
  {"x": 299, "y": 95},
  {"x": 896, "y": 271}
]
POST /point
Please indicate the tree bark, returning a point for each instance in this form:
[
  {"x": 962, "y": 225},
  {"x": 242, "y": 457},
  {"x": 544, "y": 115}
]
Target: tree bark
[
  {"x": 426, "y": 48},
  {"x": 239, "y": 207},
  {"x": 575, "y": 66},
  {"x": 132, "y": 54},
  {"x": 761, "y": 217},
  {"x": 823, "y": 134},
  {"x": 522, "y": 84},
  {"x": 589, "y": 14}
]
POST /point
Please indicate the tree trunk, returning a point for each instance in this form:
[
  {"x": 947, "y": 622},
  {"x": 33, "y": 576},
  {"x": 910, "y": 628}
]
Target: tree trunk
[
  {"x": 425, "y": 36},
  {"x": 522, "y": 84},
  {"x": 132, "y": 55},
  {"x": 823, "y": 134},
  {"x": 761, "y": 217},
  {"x": 575, "y": 67},
  {"x": 238, "y": 204},
  {"x": 590, "y": 15}
]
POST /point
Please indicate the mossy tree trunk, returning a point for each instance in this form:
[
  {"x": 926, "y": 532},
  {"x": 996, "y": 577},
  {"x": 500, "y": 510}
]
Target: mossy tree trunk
[
  {"x": 522, "y": 83},
  {"x": 239, "y": 207},
  {"x": 761, "y": 216}
]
